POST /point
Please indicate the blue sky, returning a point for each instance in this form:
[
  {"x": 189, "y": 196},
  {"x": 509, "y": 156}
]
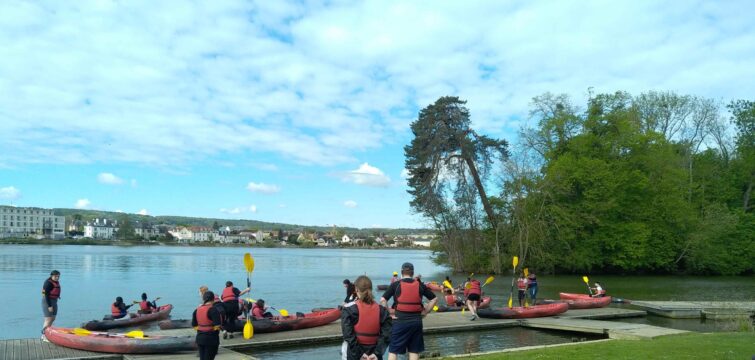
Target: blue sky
[{"x": 298, "y": 112}]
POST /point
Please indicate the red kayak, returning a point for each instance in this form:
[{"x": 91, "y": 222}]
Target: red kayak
[
  {"x": 524, "y": 312},
  {"x": 118, "y": 343},
  {"x": 162, "y": 313},
  {"x": 273, "y": 324},
  {"x": 484, "y": 304},
  {"x": 580, "y": 301}
]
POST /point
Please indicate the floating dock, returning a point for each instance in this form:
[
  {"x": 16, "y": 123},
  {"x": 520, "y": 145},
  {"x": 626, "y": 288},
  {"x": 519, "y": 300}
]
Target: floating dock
[
  {"x": 697, "y": 309},
  {"x": 572, "y": 320}
]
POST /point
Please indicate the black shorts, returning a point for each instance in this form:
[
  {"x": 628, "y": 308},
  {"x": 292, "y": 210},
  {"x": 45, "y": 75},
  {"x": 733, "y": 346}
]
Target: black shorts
[
  {"x": 473, "y": 297},
  {"x": 46, "y": 312}
]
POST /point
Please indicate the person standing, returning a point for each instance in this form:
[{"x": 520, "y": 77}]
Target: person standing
[
  {"x": 521, "y": 285},
  {"x": 230, "y": 298},
  {"x": 207, "y": 320},
  {"x": 473, "y": 293},
  {"x": 532, "y": 287},
  {"x": 406, "y": 333},
  {"x": 50, "y": 296},
  {"x": 365, "y": 325}
]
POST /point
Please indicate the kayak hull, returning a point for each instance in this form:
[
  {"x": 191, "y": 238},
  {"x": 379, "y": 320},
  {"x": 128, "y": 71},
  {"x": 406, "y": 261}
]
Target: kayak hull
[
  {"x": 524, "y": 312},
  {"x": 274, "y": 324},
  {"x": 289, "y": 323},
  {"x": 484, "y": 304},
  {"x": 162, "y": 313},
  {"x": 593, "y": 303},
  {"x": 119, "y": 343}
]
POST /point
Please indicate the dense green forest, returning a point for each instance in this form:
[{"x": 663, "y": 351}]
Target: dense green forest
[{"x": 655, "y": 183}]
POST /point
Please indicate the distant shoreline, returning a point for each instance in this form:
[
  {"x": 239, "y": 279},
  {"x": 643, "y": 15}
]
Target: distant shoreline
[{"x": 196, "y": 244}]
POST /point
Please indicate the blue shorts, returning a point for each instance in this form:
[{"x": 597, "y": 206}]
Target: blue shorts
[{"x": 407, "y": 336}]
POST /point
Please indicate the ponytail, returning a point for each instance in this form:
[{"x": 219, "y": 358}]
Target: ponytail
[{"x": 363, "y": 286}]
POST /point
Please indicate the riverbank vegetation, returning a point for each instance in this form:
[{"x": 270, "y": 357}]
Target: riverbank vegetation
[
  {"x": 687, "y": 346},
  {"x": 654, "y": 183}
]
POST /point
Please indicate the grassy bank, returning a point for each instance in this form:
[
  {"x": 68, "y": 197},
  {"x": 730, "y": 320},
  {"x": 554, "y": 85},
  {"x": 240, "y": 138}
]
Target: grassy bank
[{"x": 739, "y": 345}]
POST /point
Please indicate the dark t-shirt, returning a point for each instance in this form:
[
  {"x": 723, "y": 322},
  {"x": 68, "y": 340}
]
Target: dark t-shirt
[{"x": 394, "y": 291}]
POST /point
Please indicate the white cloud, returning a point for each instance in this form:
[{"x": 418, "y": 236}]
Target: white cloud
[
  {"x": 282, "y": 206},
  {"x": 119, "y": 211},
  {"x": 350, "y": 203},
  {"x": 404, "y": 173},
  {"x": 366, "y": 175},
  {"x": 318, "y": 83},
  {"x": 133, "y": 183},
  {"x": 109, "y": 178},
  {"x": 262, "y": 188},
  {"x": 266, "y": 166},
  {"x": 10, "y": 193},
  {"x": 253, "y": 208},
  {"x": 82, "y": 204},
  {"x": 143, "y": 212}
]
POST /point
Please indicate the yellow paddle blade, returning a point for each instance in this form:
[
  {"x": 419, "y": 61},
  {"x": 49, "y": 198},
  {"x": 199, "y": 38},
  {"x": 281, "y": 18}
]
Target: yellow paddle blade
[
  {"x": 248, "y": 329},
  {"x": 283, "y": 312},
  {"x": 81, "y": 332},
  {"x": 516, "y": 261},
  {"x": 435, "y": 308},
  {"x": 526, "y": 303},
  {"x": 471, "y": 275},
  {"x": 586, "y": 280},
  {"x": 510, "y": 302},
  {"x": 526, "y": 272},
  {"x": 248, "y": 262},
  {"x": 138, "y": 334},
  {"x": 447, "y": 284},
  {"x": 468, "y": 286},
  {"x": 462, "y": 310},
  {"x": 489, "y": 279}
]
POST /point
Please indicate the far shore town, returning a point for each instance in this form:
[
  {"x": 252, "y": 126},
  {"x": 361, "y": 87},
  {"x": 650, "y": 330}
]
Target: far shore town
[{"x": 38, "y": 223}]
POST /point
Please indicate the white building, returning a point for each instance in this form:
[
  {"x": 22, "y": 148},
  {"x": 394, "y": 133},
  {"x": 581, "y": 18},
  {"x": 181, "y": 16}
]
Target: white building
[
  {"x": 202, "y": 234},
  {"x": 30, "y": 221},
  {"x": 345, "y": 239},
  {"x": 101, "y": 229},
  {"x": 182, "y": 234}
]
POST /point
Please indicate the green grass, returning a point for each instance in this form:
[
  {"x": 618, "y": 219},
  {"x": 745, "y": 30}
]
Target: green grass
[{"x": 687, "y": 346}]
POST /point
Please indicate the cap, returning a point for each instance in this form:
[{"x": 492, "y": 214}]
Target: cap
[
  {"x": 407, "y": 266},
  {"x": 395, "y": 273}
]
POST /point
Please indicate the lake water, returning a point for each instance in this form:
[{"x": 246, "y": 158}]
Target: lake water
[{"x": 294, "y": 279}]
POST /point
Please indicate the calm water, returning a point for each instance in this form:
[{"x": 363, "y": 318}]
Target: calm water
[
  {"x": 294, "y": 279},
  {"x": 92, "y": 276},
  {"x": 445, "y": 344}
]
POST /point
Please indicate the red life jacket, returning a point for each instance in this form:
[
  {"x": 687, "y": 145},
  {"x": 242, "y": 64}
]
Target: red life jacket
[
  {"x": 601, "y": 292},
  {"x": 228, "y": 294},
  {"x": 115, "y": 310},
  {"x": 204, "y": 323},
  {"x": 258, "y": 312},
  {"x": 451, "y": 300},
  {"x": 55, "y": 292},
  {"x": 409, "y": 300},
  {"x": 521, "y": 284},
  {"x": 144, "y": 305},
  {"x": 474, "y": 288},
  {"x": 367, "y": 328}
]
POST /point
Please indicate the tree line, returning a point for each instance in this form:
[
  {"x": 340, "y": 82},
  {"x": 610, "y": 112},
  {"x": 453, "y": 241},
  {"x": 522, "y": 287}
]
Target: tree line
[{"x": 653, "y": 183}]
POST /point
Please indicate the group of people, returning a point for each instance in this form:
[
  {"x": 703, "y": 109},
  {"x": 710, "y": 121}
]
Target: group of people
[
  {"x": 527, "y": 286},
  {"x": 369, "y": 329},
  {"x": 218, "y": 314},
  {"x": 119, "y": 309}
]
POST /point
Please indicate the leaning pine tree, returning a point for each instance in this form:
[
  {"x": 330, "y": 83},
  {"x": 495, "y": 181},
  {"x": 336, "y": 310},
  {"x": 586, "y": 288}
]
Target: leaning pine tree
[{"x": 448, "y": 165}]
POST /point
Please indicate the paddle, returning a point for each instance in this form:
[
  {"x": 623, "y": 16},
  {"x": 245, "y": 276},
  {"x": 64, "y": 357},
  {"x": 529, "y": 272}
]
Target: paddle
[
  {"x": 283, "y": 312},
  {"x": 447, "y": 284},
  {"x": 515, "y": 262},
  {"x": 138, "y": 334},
  {"x": 488, "y": 280},
  {"x": 526, "y": 274},
  {"x": 587, "y": 282},
  {"x": 249, "y": 264}
]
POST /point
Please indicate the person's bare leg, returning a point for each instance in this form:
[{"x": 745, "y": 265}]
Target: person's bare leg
[
  {"x": 392, "y": 356},
  {"x": 413, "y": 356}
]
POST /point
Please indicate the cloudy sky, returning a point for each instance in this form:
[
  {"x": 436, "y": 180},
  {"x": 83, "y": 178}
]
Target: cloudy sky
[{"x": 298, "y": 112}]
